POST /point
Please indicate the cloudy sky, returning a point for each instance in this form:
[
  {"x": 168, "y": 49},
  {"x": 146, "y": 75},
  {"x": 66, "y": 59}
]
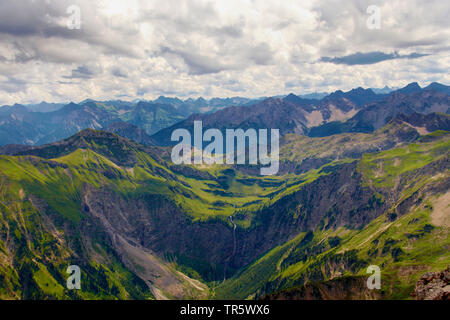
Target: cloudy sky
[{"x": 142, "y": 49}]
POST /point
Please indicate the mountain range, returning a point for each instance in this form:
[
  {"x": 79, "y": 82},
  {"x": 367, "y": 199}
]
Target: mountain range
[
  {"x": 49, "y": 122},
  {"x": 93, "y": 185},
  {"x": 358, "y": 110}
]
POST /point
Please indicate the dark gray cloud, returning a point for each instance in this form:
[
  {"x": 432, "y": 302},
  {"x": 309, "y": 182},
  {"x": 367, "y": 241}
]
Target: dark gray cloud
[
  {"x": 119, "y": 72},
  {"x": 200, "y": 64},
  {"x": 13, "y": 85},
  {"x": 30, "y": 25},
  {"x": 197, "y": 64},
  {"x": 196, "y": 17},
  {"x": 25, "y": 18},
  {"x": 233, "y": 31},
  {"x": 85, "y": 72},
  {"x": 261, "y": 54},
  {"x": 141, "y": 91},
  {"x": 360, "y": 58}
]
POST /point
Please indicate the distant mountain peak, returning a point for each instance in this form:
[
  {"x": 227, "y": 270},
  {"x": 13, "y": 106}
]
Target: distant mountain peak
[
  {"x": 337, "y": 93},
  {"x": 410, "y": 88},
  {"x": 434, "y": 84},
  {"x": 292, "y": 98},
  {"x": 438, "y": 87},
  {"x": 73, "y": 104},
  {"x": 164, "y": 99},
  {"x": 414, "y": 85},
  {"x": 86, "y": 101},
  {"x": 362, "y": 90},
  {"x": 358, "y": 96}
]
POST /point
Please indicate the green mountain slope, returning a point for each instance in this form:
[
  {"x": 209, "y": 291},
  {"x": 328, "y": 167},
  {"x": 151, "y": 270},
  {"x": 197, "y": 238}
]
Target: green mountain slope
[
  {"x": 410, "y": 238},
  {"x": 140, "y": 227}
]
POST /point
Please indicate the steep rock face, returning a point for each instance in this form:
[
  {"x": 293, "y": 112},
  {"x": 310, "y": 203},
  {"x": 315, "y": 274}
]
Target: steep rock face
[
  {"x": 337, "y": 199},
  {"x": 36, "y": 252},
  {"x": 19, "y": 125},
  {"x": 156, "y": 223},
  {"x": 153, "y": 117},
  {"x": 348, "y": 288},
  {"x": 72, "y": 118},
  {"x": 300, "y": 154},
  {"x": 440, "y": 186},
  {"x": 131, "y": 132},
  {"x": 426, "y": 122},
  {"x": 433, "y": 286}
]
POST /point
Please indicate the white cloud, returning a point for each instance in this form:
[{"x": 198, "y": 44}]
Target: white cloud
[{"x": 214, "y": 48}]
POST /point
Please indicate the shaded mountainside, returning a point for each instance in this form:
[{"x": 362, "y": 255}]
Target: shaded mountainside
[
  {"x": 41, "y": 123},
  {"x": 131, "y": 132},
  {"x": 425, "y": 124},
  {"x": 270, "y": 113},
  {"x": 438, "y": 87},
  {"x": 358, "y": 110},
  {"x": 300, "y": 153},
  {"x": 358, "y": 96},
  {"x": 44, "y": 107},
  {"x": 290, "y": 114},
  {"x": 345, "y": 288},
  {"x": 376, "y": 115},
  {"x": 201, "y": 105},
  {"x": 19, "y": 125},
  {"x": 152, "y": 117}
]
